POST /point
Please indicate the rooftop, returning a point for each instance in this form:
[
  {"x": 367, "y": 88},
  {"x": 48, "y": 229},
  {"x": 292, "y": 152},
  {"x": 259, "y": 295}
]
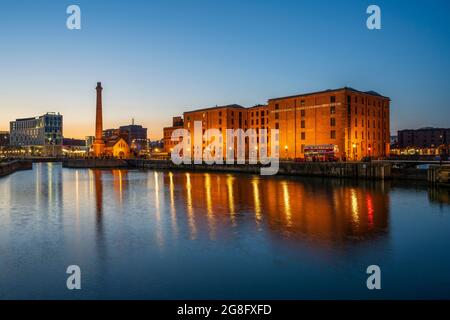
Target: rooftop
[
  {"x": 236, "y": 106},
  {"x": 258, "y": 106},
  {"x": 38, "y": 117},
  {"x": 424, "y": 129},
  {"x": 371, "y": 93}
]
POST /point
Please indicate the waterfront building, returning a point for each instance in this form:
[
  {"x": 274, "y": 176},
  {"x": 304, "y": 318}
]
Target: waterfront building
[
  {"x": 353, "y": 124},
  {"x": 177, "y": 123},
  {"x": 222, "y": 118},
  {"x": 74, "y": 147},
  {"x": 429, "y": 142},
  {"x": 4, "y": 138},
  {"x": 117, "y": 147},
  {"x": 258, "y": 117},
  {"x": 111, "y": 142},
  {"x": 356, "y": 123},
  {"x": 43, "y": 133},
  {"x": 423, "y": 138},
  {"x": 136, "y": 136}
]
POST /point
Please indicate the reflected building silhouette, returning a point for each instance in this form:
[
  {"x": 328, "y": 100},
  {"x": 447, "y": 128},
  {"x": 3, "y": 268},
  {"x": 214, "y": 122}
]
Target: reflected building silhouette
[
  {"x": 98, "y": 185},
  {"x": 439, "y": 195},
  {"x": 335, "y": 212},
  {"x": 214, "y": 204},
  {"x": 120, "y": 184}
]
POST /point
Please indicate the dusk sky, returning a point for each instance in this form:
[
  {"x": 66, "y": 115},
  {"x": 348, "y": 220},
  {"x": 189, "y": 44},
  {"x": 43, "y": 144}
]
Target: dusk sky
[{"x": 157, "y": 59}]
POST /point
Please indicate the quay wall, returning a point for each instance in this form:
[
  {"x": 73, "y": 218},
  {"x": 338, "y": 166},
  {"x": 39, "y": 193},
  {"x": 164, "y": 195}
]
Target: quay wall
[
  {"x": 354, "y": 170},
  {"x": 94, "y": 163},
  {"x": 7, "y": 168},
  {"x": 439, "y": 175},
  {"x": 361, "y": 170}
]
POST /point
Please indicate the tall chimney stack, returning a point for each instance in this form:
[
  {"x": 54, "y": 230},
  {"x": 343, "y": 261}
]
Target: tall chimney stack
[{"x": 99, "y": 144}]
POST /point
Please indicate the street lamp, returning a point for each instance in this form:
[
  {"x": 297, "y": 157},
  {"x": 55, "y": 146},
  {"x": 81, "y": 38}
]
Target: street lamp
[
  {"x": 354, "y": 151},
  {"x": 286, "y": 150}
]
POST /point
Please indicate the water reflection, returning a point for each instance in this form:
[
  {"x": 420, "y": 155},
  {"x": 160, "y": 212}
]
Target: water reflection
[
  {"x": 98, "y": 183},
  {"x": 439, "y": 195},
  {"x": 215, "y": 204},
  {"x": 337, "y": 211},
  {"x": 131, "y": 232}
]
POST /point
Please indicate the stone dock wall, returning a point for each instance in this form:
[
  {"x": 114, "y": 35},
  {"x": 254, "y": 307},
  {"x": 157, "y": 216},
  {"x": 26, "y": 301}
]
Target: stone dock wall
[{"x": 7, "y": 168}]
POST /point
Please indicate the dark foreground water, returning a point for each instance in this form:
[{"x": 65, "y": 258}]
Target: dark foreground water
[{"x": 162, "y": 235}]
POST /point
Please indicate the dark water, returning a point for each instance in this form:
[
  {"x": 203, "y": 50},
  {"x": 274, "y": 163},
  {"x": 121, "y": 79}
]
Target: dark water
[{"x": 158, "y": 235}]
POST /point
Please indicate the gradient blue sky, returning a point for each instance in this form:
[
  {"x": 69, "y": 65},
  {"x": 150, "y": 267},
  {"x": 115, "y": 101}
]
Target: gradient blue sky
[{"x": 157, "y": 59}]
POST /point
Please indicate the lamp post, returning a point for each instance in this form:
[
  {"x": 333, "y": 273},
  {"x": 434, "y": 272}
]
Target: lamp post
[
  {"x": 286, "y": 150},
  {"x": 354, "y": 151}
]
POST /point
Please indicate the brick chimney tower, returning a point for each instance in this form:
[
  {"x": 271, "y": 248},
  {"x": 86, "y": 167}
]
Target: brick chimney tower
[{"x": 99, "y": 144}]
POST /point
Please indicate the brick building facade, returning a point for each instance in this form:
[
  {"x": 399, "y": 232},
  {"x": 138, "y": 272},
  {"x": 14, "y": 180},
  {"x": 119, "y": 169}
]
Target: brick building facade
[{"x": 356, "y": 122}]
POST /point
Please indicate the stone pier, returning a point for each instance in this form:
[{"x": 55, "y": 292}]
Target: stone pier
[{"x": 13, "y": 166}]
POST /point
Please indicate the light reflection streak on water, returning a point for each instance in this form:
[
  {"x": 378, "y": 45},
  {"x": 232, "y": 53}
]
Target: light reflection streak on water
[
  {"x": 287, "y": 203},
  {"x": 209, "y": 207},
  {"x": 190, "y": 210},
  {"x": 159, "y": 231},
  {"x": 257, "y": 200},
  {"x": 355, "y": 210},
  {"x": 173, "y": 212},
  {"x": 231, "y": 207}
]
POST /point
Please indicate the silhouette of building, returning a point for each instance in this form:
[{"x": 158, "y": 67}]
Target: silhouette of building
[
  {"x": 108, "y": 133},
  {"x": 423, "y": 138},
  {"x": 4, "y": 138},
  {"x": 137, "y": 136},
  {"x": 74, "y": 147}
]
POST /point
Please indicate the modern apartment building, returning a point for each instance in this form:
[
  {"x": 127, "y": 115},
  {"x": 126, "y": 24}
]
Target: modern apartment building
[{"x": 44, "y": 132}]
